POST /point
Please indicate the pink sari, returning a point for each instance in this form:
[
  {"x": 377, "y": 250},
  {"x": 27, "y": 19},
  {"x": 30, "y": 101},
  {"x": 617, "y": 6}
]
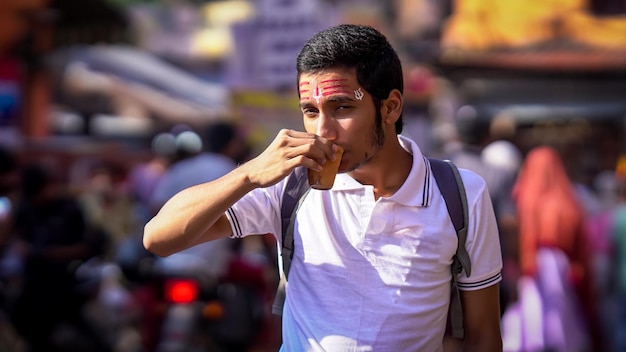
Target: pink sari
[
  {"x": 555, "y": 307},
  {"x": 547, "y": 315}
]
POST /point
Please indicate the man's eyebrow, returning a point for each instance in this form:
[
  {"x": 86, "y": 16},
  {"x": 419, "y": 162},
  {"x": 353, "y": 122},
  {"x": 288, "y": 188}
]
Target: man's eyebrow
[
  {"x": 340, "y": 98},
  {"x": 305, "y": 103}
]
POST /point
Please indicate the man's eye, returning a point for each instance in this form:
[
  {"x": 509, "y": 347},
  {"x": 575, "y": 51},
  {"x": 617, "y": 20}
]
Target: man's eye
[{"x": 344, "y": 107}]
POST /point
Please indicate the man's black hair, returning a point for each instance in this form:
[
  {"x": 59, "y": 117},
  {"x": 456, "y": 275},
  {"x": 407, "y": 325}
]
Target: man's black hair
[{"x": 378, "y": 67}]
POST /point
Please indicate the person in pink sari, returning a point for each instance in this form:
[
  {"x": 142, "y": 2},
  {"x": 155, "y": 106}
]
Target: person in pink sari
[{"x": 554, "y": 255}]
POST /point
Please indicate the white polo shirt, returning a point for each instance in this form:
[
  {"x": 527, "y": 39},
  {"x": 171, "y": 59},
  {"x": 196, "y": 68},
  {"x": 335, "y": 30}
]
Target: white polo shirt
[{"x": 374, "y": 275}]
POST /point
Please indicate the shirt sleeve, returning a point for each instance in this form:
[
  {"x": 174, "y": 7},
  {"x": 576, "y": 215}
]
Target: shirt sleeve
[
  {"x": 257, "y": 213},
  {"x": 483, "y": 240}
]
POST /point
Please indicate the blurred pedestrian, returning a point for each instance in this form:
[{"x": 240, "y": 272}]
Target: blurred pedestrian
[
  {"x": 144, "y": 176},
  {"x": 198, "y": 159},
  {"x": 9, "y": 182},
  {"x": 504, "y": 159},
  {"x": 107, "y": 208},
  {"x": 604, "y": 246},
  {"x": 205, "y": 159},
  {"x": 11, "y": 269},
  {"x": 618, "y": 273},
  {"x": 473, "y": 148},
  {"x": 201, "y": 159},
  {"x": 371, "y": 262},
  {"x": 554, "y": 259},
  {"x": 52, "y": 237}
]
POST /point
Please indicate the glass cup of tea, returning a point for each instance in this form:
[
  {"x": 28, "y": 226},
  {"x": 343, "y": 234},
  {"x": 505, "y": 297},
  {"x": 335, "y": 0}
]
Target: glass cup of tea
[{"x": 326, "y": 178}]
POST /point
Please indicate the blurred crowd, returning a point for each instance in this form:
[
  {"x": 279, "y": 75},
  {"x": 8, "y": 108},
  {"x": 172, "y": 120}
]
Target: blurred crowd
[
  {"x": 74, "y": 275},
  {"x": 562, "y": 238},
  {"x": 73, "y": 267}
]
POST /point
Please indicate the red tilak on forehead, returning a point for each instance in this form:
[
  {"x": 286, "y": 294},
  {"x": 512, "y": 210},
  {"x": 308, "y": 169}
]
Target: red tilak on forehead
[
  {"x": 335, "y": 90},
  {"x": 322, "y": 90}
]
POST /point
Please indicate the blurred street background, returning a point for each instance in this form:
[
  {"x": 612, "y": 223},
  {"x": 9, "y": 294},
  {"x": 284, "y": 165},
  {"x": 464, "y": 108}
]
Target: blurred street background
[{"x": 104, "y": 102}]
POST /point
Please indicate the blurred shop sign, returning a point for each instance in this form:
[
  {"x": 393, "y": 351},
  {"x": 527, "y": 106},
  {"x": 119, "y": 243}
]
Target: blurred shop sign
[
  {"x": 266, "y": 48},
  {"x": 569, "y": 35}
]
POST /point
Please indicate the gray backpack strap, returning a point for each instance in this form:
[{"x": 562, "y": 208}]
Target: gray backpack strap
[
  {"x": 453, "y": 191},
  {"x": 295, "y": 191}
]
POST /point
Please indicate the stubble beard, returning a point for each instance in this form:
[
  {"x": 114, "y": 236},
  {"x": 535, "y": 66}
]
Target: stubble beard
[{"x": 376, "y": 141}]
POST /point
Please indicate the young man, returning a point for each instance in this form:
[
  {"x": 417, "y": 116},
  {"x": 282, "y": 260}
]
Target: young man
[{"x": 371, "y": 268}]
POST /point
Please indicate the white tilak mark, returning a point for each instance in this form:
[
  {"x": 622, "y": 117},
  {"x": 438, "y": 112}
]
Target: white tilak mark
[
  {"x": 317, "y": 94},
  {"x": 358, "y": 94}
]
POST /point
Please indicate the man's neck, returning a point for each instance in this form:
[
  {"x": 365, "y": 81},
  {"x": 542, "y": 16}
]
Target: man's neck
[{"x": 387, "y": 171}]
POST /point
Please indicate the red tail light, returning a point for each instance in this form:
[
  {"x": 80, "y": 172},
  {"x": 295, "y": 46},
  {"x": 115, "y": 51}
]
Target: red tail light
[{"x": 181, "y": 291}]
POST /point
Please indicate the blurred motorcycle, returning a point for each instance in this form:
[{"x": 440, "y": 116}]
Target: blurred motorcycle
[{"x": 190, "y": 308}]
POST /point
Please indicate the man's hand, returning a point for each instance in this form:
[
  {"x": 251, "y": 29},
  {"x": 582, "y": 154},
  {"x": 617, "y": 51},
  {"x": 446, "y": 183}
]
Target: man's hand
[{"x": 287, "y": 151}]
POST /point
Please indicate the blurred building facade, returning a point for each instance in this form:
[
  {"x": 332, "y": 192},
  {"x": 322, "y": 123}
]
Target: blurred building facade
[{"x": 548, "y": 65}]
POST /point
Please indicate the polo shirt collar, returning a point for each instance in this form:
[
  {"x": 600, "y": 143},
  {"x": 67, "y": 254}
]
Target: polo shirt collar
[{"x": 416, "y": 190}]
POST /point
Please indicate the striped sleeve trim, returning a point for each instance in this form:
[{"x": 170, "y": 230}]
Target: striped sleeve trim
[
  {"x": 235, "y": 225},
  {"x": 480, "y": 284},
  {"x": 426, "y": 190}
]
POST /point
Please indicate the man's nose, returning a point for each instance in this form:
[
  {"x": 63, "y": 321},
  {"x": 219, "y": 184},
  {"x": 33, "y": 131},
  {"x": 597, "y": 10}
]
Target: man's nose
[{"x": 326, "y": 127}]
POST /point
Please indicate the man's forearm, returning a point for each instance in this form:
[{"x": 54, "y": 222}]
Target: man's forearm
[{"x": 191, "y": 216}]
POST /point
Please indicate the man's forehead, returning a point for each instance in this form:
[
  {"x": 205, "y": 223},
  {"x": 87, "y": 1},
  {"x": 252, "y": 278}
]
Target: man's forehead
[
  {"x": 317, "y": 86},
  {"x": 323, "y": 87}
]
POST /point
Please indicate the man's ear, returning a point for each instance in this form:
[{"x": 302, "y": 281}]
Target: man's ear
[{"x": 392, "y": 107}]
